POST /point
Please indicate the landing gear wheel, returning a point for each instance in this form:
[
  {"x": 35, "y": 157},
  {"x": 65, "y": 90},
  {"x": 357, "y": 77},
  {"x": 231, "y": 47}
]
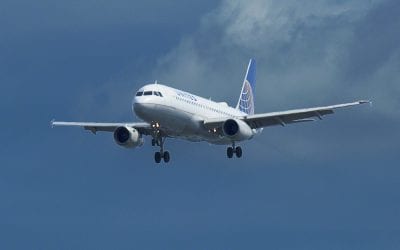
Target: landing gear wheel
[
  {"x": 238, "y": 151},
  {"x": 229, "y": 152},
  {"x": 166, "y": 156},
  {"x": 157, "y": 157}
]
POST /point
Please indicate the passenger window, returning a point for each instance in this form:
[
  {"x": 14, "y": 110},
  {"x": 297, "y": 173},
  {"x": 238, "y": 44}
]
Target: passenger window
[
  {"x": 139, "y": 93},
  {"x": 148, "y": 93}
]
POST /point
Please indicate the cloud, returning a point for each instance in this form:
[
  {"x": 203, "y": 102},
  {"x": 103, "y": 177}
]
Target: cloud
[
  {"x": 307, "y": 52},
  {"x": 313, "y": 53},
  {"x": 256, "y": 23}
]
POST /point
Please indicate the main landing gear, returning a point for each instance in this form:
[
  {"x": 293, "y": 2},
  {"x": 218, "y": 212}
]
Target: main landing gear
[
  {"x": 234, "y": 150},
  {"x": 161, "y": 154}
]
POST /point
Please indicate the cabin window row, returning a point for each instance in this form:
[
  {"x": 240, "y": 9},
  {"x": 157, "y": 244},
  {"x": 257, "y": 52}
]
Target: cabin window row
[{"x": 202, "y": 106}]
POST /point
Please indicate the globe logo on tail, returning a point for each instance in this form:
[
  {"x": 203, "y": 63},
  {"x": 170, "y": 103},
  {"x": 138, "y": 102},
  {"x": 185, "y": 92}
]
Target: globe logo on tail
[
  {"x": 246, "y": 98},
  {"x": 246, "y": 102}
]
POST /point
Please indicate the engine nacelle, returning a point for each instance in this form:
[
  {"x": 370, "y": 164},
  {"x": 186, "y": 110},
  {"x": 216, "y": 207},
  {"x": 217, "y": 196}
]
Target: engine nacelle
[
  {"x": 128, "y": 137},
  {"x": 237, "y": 130}
]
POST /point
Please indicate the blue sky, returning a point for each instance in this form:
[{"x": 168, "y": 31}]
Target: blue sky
[{"x": 329, "y": 184}]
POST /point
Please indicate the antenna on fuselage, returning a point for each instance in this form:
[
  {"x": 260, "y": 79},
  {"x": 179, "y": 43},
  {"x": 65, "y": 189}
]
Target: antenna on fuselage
[{"x": 155, "y": 82}]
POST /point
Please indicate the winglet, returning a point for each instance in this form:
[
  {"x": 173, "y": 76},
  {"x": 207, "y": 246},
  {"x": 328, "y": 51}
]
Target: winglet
[
  {"x": 364, "y": 101},
  {"x": 52, "y": 123}
]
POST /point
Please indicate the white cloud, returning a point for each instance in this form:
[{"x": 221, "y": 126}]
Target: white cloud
[
  {"x": 303, "y": 49},
  {"x": 300, "y": 48},
  {"x": 258, "y": 22}
]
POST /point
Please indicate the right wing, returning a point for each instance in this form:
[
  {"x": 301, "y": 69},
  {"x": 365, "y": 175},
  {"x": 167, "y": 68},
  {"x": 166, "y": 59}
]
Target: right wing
[
  {"x": 142, "y": 127},
  {"x": 284, "y": 117},
  {"x": 295, "y": 116}
]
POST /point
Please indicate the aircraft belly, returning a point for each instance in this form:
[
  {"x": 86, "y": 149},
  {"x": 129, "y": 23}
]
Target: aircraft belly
[
  {"x": 171, "y": 119},
  {"x": 178, "y": 123},
  {"x": 190, "y": 127}
]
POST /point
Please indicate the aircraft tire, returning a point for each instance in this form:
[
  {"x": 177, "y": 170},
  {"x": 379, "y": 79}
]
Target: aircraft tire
[
  {"x": 238, "y": 152},
  {"x": 229, "y": 152},
  {"x": 166, "y": 156},
  {"x": 157, "y": 157}
]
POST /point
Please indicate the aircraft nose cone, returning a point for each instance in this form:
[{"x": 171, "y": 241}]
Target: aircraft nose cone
[
  {"x": 138, "y": 107},
  {"x": 143, "y": 110}
]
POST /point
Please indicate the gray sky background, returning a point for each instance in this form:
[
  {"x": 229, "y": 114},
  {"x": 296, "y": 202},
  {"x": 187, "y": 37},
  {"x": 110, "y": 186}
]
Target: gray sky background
[{"x": 330, "y": 184}]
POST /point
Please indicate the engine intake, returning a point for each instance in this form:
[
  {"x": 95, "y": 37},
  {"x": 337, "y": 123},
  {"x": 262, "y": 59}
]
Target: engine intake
[
  {"x": 237, "y": 130},
  {"x": 128, "y": 137},
  {"x": 231, "y": 127}
]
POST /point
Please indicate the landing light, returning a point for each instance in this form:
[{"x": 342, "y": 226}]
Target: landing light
[
  {"x": 214, "y": 130},
  {"x": 155, "y": 125}
]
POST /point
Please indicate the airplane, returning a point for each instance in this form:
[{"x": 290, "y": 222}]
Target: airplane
[{"x": 172, "y": 113}]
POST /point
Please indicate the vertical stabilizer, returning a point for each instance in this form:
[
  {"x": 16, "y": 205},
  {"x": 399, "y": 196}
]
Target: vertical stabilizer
[{"x": 246, "y": 98}]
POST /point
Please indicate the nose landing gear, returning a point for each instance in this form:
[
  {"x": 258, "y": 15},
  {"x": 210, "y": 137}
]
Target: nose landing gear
[{"x": 158, "y": 140}]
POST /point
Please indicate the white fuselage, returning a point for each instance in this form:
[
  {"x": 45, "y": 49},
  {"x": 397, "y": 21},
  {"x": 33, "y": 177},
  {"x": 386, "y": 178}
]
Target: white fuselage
[{"x": 181, "y": 114}]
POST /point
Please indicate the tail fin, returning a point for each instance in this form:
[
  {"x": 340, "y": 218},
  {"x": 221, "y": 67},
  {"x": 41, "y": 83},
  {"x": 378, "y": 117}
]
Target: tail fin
[{"x": 246, "y": 98}]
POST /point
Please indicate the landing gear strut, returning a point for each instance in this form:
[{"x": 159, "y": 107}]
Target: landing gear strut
[
  {"x": 161, "y": 154},
  {"x": 234, "y": 150},
  {"x": 158, "y": 140}
]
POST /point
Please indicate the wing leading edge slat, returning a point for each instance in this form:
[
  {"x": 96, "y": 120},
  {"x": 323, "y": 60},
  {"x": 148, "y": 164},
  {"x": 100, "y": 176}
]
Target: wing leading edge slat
[{"x": 94, "y": 127}]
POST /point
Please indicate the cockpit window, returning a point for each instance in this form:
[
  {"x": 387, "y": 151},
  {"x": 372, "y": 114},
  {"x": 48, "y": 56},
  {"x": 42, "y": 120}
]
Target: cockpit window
[{"x": 156, "y": 93}]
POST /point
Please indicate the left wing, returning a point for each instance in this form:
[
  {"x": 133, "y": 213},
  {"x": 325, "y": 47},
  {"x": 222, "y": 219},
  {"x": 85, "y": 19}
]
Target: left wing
[
  {"x": 284, "y": 117},
  {"x": 142, "y": 127}
]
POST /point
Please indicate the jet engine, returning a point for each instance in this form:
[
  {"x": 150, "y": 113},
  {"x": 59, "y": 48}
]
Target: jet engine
[
  {"x": 237, "y": 130},
  {"x": 128, "y": 137}
]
